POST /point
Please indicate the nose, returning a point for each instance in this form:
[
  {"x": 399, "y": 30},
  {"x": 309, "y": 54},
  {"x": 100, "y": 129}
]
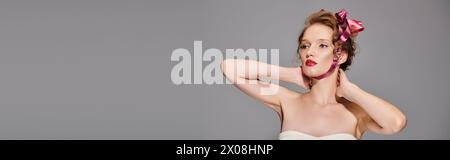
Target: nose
[{"x": 309, "y": 53}]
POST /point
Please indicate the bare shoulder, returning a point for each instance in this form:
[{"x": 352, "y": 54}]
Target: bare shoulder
[
  {"x": 358, "y": 112},
  {"x": 285, "y": 96},
  {"x": 353, "y": 107},
  {"x": 288, "y": 95}
]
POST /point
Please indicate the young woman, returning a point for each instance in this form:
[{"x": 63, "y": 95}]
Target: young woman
[{"x": 333, "y": 107}]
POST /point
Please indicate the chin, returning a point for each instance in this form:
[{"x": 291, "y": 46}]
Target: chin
[
  {"x": 312, "y": 72},
  {"x": 309, "y": 72}
]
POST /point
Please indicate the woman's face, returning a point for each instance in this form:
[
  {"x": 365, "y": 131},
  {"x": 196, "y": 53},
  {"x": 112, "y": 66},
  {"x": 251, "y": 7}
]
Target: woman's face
[{"x": 316, "y": 50}]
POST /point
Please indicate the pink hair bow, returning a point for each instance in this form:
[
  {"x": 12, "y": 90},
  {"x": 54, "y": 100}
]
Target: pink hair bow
[{"x": 347, "y": 27}]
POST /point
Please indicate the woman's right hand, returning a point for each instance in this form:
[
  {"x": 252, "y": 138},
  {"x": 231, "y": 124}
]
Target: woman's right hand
[{"x": 302, "y": 80}]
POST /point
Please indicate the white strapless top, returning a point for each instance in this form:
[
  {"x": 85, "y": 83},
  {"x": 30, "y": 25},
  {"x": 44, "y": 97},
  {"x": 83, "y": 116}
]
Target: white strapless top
[{"x": 296, "y": 135}]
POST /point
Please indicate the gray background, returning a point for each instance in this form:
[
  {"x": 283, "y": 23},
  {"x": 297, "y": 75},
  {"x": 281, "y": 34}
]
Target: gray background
[{"x": 100, "y": 69}]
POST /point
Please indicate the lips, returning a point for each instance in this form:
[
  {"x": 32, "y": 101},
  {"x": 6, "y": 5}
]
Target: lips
[{"x": 310, "y": 63}]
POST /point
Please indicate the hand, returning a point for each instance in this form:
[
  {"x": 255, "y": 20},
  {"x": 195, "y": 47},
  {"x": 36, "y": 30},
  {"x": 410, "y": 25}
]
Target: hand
[
  {"x": 302, "y": 80},
  {"x": 344, "y": 86}
]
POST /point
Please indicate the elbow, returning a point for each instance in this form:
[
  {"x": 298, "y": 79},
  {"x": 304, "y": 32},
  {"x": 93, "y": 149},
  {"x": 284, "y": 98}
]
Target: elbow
[
  {"x": 223, "y": 66},
  {"x": 399, "y": 124},
  {"x": 227, "y": 71}
]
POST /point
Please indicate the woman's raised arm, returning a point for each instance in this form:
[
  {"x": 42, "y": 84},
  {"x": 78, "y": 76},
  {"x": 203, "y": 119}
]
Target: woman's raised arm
[
  {"x": 246, "y": 75},
  {"x": 382, "y": 116}
]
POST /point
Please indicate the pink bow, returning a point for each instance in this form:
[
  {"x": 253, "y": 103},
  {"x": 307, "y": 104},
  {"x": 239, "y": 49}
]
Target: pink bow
[{"x": 352, "y": 27}]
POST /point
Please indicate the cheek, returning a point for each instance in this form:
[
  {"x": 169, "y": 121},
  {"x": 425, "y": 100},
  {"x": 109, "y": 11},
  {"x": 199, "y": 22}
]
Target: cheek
[
  {"x": 301, "y": 57},
  {"x": 326, "y": 60}
]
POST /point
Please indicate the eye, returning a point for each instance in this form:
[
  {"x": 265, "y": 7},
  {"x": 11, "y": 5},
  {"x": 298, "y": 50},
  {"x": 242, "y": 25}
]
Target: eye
[
  {"x": 323, "y": 46},
  {"x": 304, "y": 46}
]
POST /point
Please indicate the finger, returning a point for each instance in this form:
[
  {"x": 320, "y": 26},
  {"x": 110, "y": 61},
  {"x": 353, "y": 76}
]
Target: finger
[
  {"x": 342, "y": 74},
  {"x": 306, "y": 82}
]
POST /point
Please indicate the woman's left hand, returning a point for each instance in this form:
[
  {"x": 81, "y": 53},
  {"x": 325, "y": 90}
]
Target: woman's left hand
[{"x": 344, "y": 86}]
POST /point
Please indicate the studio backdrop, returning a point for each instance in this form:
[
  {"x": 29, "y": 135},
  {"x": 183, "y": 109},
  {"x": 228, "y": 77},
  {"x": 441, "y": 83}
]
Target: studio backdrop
[{"x": 102, "y": 69}]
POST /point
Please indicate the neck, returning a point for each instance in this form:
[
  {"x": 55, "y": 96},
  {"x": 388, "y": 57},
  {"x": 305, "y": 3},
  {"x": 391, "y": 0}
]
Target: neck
[{"x": 323, "y": 90}]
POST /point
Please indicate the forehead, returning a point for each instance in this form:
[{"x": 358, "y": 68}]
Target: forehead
[{"x": 316, "y": 32}]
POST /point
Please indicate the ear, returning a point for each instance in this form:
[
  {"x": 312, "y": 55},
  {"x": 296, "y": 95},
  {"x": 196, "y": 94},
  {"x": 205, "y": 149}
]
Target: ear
[{"x": 343, "y": 57}]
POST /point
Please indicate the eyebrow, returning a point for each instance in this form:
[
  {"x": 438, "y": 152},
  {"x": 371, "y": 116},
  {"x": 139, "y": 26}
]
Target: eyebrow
[{"x": 317, "y": 40}]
